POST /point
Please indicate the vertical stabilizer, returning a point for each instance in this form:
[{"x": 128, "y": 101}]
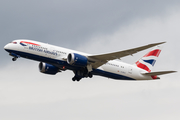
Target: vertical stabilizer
[{"x": 148, "y": 61}]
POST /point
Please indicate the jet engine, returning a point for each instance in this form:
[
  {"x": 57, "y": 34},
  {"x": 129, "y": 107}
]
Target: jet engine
[
  {"x": 48, "y": 69},
  {"x": 77, "y": 60}
]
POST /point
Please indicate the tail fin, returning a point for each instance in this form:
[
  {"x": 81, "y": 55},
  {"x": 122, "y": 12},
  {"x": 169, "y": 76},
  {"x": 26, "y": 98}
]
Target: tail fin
[{"x": 148, "y": 61}]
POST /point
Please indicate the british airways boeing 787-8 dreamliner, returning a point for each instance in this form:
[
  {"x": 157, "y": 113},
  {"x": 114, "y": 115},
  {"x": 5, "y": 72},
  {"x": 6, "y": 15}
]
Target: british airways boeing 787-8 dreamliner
[{"x": 55, "y": 59}]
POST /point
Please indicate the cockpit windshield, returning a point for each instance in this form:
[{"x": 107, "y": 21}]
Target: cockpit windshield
[{"x": 14, "y": 42}]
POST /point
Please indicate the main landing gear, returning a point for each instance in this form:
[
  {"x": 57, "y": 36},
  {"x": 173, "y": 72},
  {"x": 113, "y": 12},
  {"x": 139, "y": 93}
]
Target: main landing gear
[
  {"x": 90, "y": 75},
  {"x": 76, "y": 78},
  {"x": 83, "y": 72},
  {"x": 79, "y": 75}
]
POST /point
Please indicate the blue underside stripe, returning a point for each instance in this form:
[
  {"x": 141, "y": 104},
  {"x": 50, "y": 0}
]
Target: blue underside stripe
[{"x": 60, "y": 63}]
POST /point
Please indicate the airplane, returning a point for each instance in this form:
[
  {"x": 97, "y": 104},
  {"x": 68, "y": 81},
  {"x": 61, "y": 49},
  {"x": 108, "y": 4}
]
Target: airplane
[{"x": 54, "y": 59}]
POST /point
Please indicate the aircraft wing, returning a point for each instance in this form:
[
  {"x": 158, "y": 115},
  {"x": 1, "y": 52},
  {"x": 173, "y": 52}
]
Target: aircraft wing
[{"x": 98, "y": 60}]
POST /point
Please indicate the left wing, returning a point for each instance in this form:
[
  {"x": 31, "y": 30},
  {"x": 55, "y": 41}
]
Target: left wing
[{"x": 98, "y": 60}]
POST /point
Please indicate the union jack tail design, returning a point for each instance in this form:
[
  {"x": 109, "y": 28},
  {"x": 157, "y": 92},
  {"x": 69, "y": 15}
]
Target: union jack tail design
[{"x": 148, "y": 61}]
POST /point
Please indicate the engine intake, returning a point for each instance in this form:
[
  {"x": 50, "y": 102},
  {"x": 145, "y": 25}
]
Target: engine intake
[
  {"x": 77, "y": 60},
  {"x": 48, "y": 69}
]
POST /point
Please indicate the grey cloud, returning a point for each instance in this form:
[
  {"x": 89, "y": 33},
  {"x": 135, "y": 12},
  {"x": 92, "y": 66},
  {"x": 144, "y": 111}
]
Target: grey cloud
[
  {"x": 144, "y": 104},
  {"x": 71, "y": 23}
]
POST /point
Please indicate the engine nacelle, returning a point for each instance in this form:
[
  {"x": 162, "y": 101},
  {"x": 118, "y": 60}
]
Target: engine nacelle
[
  {"x": 48, "y": 69},
  {"x": 77, "y": 60}
]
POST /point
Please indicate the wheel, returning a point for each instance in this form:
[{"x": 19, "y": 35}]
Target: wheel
[
  {"x": 14, "y": 59},
  {"x": 90, "y": 75},
  {"x": 78, "y": 79},
  {"x": 73, "y": 79}
]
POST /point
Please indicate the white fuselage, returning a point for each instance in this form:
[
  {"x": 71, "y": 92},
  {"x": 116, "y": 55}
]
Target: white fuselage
[{"x": 43, "y": 52}]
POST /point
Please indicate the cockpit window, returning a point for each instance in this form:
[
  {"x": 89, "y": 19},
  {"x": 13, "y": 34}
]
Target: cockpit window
[{"x": 14, "y": 42}]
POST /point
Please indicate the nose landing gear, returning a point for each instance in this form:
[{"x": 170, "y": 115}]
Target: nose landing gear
[
  {"x": 14, "y": 59},
  {"x": 15, "y": 56}
]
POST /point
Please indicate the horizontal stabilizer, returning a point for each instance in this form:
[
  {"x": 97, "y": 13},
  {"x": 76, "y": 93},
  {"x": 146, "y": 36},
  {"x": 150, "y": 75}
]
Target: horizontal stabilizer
[{"x": 158, "y": 73}]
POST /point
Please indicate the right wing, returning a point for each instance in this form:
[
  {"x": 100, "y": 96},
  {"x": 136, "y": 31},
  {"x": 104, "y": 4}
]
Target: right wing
[{"x": 98, "y": 60}]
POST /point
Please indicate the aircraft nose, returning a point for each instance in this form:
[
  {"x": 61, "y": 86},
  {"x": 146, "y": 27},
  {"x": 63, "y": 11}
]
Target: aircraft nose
[{"x": 6, "y": 47}]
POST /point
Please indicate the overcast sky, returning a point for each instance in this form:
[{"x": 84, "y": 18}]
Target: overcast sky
[{"x": 92, "y": 26}]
